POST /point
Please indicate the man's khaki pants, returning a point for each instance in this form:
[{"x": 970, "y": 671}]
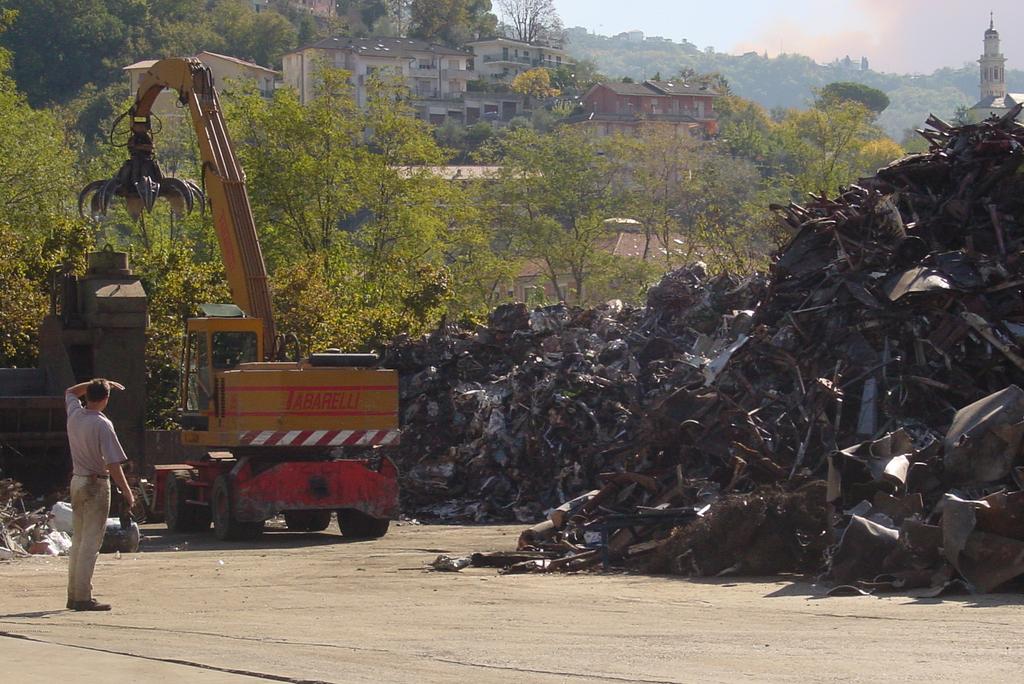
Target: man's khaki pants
[{"x": 90, "y": 505}]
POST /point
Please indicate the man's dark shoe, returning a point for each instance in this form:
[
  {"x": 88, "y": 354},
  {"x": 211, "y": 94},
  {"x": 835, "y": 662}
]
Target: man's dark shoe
[{"x": 92, "y": 604}]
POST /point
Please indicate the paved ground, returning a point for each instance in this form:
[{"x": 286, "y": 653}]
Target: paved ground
[{"x": 312, "y": 608}]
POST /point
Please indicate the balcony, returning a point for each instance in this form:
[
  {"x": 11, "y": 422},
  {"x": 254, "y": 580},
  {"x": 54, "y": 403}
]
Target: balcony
[
  {"x": 550, "y": 63},
  {"x": 437, "y": 95},
  {"x": 456, "y": 75},
  {"x": 424, "y": 71},
  {"x": 508, "y": 60}
]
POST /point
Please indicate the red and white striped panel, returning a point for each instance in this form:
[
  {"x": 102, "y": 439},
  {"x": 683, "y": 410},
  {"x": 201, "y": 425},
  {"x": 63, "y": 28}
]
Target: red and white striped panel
[{"x": 320, "y": 438}]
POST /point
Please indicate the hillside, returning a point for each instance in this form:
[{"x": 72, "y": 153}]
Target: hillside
[{"x": 787, "y": 80}]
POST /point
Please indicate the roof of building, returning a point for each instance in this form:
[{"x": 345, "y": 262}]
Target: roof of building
[
  {"x": 681, "y": 88},
  {"x": 656, "y": 89},
  {"x": 399, "y": 47},
  {"x": 1009, "y": 101},
  {"x": 517, "y": 43},
  {"x": 148, "y": 63},
  {"x": 144, "y": 64},
  {"x": 632, "y": 89},
  {"x": 236, "y": 60}
]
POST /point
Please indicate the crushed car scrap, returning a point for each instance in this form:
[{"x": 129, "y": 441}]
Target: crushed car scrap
[{"x": 858, "y": 411}]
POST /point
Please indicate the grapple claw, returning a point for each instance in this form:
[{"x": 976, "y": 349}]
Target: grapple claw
[
  {"x": 148, "y": 189},
  {"x": 135, "y": 205},
  {"x": 141, "y": 183}
]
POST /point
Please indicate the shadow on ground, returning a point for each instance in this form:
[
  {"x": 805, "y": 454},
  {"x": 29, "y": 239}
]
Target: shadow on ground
[{"x": 159, "y": 540}]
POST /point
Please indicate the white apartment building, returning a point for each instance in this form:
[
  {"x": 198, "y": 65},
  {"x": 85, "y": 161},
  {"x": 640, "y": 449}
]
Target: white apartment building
[
  {"x": 431, "y": 72},
  {"x": 502, "y": 59}
]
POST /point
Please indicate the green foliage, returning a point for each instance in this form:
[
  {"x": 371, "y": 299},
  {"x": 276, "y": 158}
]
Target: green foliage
[
  {"x": 801, "y": 151},
  {"x": 364, "y": 216},
  {"x": 89, "y": 41},
  {"x": 872, "y": 98},
  {"x": 260, "y": 37},
  {"x": 554, "y": 192},
  {"x": 576, "y": 79},
  {"x": 81, "y": 35},
  {"x": 534, "y": 83},
  {"x": 713, "y": 81},
  {"x": 301, "y": 163},
  {"x": 451, "y": 22},
  {"x": 177, "y": 284},
  {"x": 696, "y": 202},
  {"x": 36, "y": 234},
  {"x": 911, "y": 105},
  {"x": 821, "y": 147},
  {"x": 22, "y": 307}
]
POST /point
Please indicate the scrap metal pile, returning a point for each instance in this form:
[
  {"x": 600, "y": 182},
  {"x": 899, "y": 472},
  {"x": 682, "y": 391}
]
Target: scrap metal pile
[
  {"x": 506, "y": 421},
  {"x": 25, "y": 531},
  {"x": 883, "y": 355}
]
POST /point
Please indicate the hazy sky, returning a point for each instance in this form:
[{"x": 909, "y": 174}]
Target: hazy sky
[{"x": 896, "y": 35}]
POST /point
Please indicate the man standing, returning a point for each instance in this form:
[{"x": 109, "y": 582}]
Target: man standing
[{"x": 97, "y": 456}]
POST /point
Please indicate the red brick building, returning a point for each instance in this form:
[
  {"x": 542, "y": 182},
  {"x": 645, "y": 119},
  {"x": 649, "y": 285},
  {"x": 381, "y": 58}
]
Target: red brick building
[{"x": 610, "y": 108}]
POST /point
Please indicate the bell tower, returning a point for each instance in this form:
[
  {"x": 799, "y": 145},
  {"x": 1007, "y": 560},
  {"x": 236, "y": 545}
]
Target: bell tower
[{"x": 993, "y": 65}]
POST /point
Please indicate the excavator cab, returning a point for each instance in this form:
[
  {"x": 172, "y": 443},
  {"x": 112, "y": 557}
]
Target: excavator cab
[{"x": 214, "y": 343}]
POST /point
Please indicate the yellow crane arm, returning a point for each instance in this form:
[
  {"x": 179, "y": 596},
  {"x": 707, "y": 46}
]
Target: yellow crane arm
[{"x": 223, "y": 178}]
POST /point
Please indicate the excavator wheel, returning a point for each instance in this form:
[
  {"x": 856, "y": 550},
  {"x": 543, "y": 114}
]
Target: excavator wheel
[
  {"x": 358, "y": 525},
  {"x": 225, "y": 526},
  {"x": 307, "y": 521},
  {"x": 179, "y": 515}
]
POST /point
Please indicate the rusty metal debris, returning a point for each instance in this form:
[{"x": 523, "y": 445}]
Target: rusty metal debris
[
  {"x": 857, "y": 411},
  {"x": 23, "y": 530}
]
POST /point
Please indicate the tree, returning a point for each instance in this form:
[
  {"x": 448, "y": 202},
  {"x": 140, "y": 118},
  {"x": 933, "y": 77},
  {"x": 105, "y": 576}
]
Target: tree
[
  {"x": 696, "y": 199},
  {"x": 82, "y": 38},
  {"x": 745, "y": 129},
  {"x": 451, "y": 22},
  {"x": 363, "y": 237},
  {"x": 875, "y": 154},
  {"x": 530, "y": 21},
  {"x": 261, "y": 37},
  {"x": 301, "y": 162},
  {"x": 534, "y": 83},
  {"x": 661, "y": 164},
  {"x": 872, "y": 98},
  {"x": 398, "y": 13},
  {"x": 553, "y": 194},
  {"x": 177, "y": 283},
  {"x": 820, "y": 149},
  {"x": 37, "y": 230}
]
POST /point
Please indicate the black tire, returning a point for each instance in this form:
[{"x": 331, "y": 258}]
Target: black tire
[
  {"x": 225, "y": 526},
  {"x": 307, "y": 521},
  {"x": 358, "y": 525},
  {"x": 179, "y": 515}
]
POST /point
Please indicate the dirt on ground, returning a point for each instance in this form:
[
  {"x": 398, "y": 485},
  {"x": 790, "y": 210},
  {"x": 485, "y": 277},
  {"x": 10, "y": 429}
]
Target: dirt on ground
[{"x": 314, "y": 608}]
